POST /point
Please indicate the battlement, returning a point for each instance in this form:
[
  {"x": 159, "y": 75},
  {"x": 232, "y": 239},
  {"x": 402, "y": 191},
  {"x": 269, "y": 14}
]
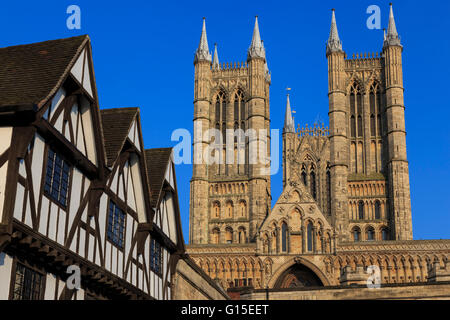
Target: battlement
[
  {"x": 231, "y": 69},
  {"x": 316, "y": 130},
  {"x": 363, "y": 59}
]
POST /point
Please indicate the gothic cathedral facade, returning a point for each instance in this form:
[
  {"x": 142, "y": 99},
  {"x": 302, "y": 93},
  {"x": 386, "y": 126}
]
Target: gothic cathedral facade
[{"x": 346, "y": 196}]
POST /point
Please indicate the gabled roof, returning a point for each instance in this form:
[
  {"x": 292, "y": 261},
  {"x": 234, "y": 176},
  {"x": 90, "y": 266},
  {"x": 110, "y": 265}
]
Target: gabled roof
[
  {"x": 157, "y": 161},
  {"x": 116, "y": 124},
  {"x": 30, "y": 73}
]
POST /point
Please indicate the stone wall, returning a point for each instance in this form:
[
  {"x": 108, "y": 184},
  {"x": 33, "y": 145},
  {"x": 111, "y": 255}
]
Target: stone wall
[
  {"x": 191, "y": 283},
  {"x": 421, "y": 291}
]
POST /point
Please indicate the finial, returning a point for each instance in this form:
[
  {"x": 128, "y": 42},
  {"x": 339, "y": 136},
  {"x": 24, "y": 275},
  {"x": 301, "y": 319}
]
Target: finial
[
  {"x": 256, "y": 49},
  {"x": 334, "y": 44},
  {"x": 216, "y": 64},
  {"x": 289, "y": 125},
  {"x": 392, "y": 38},
  {"x": 202, "y": 53}
]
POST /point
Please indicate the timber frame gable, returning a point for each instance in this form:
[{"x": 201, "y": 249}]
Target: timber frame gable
[{"x": 74, "y": 185}]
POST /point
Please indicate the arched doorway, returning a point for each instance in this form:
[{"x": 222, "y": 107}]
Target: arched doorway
[{"x": 298, "y": 276}]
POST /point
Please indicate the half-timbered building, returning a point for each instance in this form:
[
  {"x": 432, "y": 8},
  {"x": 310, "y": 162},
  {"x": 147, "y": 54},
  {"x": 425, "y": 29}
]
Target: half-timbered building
[{"x": 85, "y": 211}]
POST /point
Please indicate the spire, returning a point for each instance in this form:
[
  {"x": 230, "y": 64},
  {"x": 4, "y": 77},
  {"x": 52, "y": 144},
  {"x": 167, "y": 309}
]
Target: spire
[
  {"x": 216, "y": 64},
  {"x": 392, "y": 38},
  {"x": 202, "y": 53},
  {"x": 256, "y": 49},
  {"x": 289, "y": 125},
  {"x": 334, "y": 44}
]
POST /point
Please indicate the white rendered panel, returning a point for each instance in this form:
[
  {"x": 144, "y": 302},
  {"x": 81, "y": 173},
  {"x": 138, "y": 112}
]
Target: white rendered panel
[
  {"x": 80, "y": 138},
  {"x": 44, "y": 216},
  {"x": 86, "y": 77},
  {"x": 37, "y": 163},
  {"x": 77, "y": 69},
  {"x": 108, "y": 256},
  {"x": 18, "y": 208},
  {"x": 59, "y": 122},
  {"x": 88, "y": 127},
  {"x": 91, "y": 248},
  {"x": 5, "y": 138},
  {"x": 139, "y": 194},
  {"x": 28, "y": 220},
  {"x": 57, "y": 99},
  {"x": 6, "y": 263},
  {"x": 22, "y": 170},
  {"x": 3, "y": 170},
  {"x": 50, "y": 287},
  {"x": 103, "y": 211},
  {"x": 61, "y": 227}
]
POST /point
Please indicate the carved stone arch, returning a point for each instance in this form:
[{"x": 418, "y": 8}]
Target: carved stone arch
[
  {"x": 320, "y": 224},
  {"x": 236, "y": 89},
  {"x": 217, "y": 90},
  {"x": 298, "y": 208},
  {"x": 356, "y": 83},
  {"x": 374, "y": 84},
  {"x": 299, "y": 261},
  {"x": 281, "y": 221}
]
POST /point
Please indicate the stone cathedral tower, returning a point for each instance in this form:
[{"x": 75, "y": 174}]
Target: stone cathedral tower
[
  {"x": 368, "y": 162},
  {"x": 345, "y": 202},
  {"x": 230, "y": 194}
]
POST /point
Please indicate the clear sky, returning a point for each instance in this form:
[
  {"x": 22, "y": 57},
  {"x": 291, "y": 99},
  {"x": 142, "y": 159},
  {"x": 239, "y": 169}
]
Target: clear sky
[{"x": 143, "y": 56}]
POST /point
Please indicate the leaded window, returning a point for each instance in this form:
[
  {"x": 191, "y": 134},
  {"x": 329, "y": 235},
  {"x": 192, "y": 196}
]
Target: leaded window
[
  {"x": 28, "y": 284},
  {"x": 155, "y": 257},
  {"x": 116, "y": 225},
  {"x": 57, "y": 178}
]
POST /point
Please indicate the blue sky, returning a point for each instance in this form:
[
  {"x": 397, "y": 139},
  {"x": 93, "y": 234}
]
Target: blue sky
[{"x": 143, "y": 56}]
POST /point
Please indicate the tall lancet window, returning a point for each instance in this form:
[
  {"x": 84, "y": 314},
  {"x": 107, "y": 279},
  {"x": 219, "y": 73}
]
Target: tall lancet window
[
  {"x": 312, "y": 183},
  {"x": 284, "y": 237},
  {"x": 355, "y": 111},
  {"x": 329, "y": 191},
  {"x": 375, "y": 100},
  {"x": 310, "y": 235},
  {"x": 221, "y": 112},
  {"x": 220, "y": 126},
  {"x": 361, "y": 210},
  {"x": 304, "y": 175},
  {"x": 239, "y": 123}
]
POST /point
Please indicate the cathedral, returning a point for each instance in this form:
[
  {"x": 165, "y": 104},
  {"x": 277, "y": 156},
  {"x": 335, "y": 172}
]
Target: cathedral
[{"x": 343, "y": 219}]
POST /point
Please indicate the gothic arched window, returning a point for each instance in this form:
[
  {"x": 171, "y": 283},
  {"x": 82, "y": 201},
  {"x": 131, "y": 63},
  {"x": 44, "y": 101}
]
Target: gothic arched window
[
  {"x": 353, "y": 126},
  {"x": 221, "y": 114},
  {"x": 304, "y": 175},
  {"x": 229, "y": 235},
  {"x": 360, "y": 127},
  {"x": 216, "y": 210},
  {"x": 242, "y": 209},
  {"x": 284, "y": 237},
  {"x": 361, "y": 210},
  {"x": 310, "y": 236},
  {"x": 377, "y": 210},
  {"x": 229, "y": 210},
  {"x": 370, "y": 234},
  {"x": 216, "y": 236},
  {"x": 242, "y": 237},
  {"x": 384, "y": 234},
  {"x": 356, "y": 235},
  {"x": 329, "y": 191},
  {"x": 312, "y": 184}
]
